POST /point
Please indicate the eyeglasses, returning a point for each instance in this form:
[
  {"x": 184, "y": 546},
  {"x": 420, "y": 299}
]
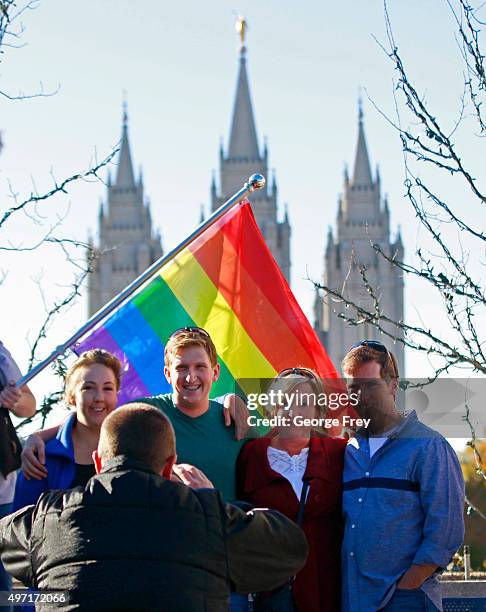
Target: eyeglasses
[
  {"x": 190, "y": 330},
  {"x": 305, "y": 372}
]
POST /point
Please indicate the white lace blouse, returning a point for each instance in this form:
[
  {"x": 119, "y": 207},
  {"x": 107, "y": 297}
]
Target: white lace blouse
[{"x": 291, "y": 467}]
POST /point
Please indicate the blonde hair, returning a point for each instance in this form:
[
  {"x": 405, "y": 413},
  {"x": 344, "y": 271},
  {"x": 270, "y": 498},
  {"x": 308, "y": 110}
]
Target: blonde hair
[
  {"x": 287, "y": 381},
  {"x": 87, "y": 359},
  {"x": 185, "y": 338}
]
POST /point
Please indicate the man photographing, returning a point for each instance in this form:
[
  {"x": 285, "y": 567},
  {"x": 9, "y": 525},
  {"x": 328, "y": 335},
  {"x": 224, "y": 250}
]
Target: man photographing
[{"x": 135, "y": 540}]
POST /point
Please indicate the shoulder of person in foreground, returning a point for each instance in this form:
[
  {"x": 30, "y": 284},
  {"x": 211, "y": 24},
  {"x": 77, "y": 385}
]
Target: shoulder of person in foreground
[
  {"x": 265, "y": 548},
  {"x": 16, "y": 532}
]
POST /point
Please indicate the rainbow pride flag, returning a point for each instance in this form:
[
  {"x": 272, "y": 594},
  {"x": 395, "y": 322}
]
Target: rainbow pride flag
[{"x": 227, "y": 282}]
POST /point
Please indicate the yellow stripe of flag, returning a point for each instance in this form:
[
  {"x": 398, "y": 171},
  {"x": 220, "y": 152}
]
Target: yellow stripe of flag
[{"x": 209, "y": 309}]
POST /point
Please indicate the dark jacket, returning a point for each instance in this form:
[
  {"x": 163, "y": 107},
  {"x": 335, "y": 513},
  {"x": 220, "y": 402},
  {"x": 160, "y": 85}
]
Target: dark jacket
[
  {"x": 317, "y": 586},
  {"x": 132, "y": 540}
]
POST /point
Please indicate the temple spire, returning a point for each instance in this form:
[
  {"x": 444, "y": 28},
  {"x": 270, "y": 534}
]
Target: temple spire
[
  {"x": 125, "y": 176},
  {"x": 362, "y": 171},
  {"x": 243, "y": 142}
]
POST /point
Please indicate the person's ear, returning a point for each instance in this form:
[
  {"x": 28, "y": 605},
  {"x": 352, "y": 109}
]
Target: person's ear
[
  {"x": 394, "y": 387},
  {"x": 216, "y": 372},
  {"x": 167, "y": 374},
  {"x": 97, "y": 461},
  {"x": 167, "y": 469}
]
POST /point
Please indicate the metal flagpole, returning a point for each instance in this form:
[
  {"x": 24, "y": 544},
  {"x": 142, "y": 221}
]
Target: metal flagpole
[{"x": 255, "y": 182}]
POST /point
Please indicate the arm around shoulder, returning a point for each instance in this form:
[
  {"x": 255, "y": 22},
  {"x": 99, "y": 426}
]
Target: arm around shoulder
[{"x": 33, "y": 453}]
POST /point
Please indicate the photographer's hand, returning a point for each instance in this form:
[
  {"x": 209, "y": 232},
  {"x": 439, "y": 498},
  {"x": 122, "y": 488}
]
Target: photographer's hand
[{"x": 191, "y": 476}]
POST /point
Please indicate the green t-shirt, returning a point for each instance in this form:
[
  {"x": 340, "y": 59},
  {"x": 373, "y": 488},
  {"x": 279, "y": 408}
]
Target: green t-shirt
[{"x": 205, "y": 442}]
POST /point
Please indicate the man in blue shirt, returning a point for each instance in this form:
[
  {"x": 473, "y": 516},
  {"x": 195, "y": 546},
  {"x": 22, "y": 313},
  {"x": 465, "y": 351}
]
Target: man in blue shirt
[{"x": 403, "y": 498}]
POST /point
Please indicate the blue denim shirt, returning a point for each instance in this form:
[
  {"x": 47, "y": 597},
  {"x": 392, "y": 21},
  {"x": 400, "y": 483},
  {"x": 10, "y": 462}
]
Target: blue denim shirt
[{"x": 403, "y": 506}]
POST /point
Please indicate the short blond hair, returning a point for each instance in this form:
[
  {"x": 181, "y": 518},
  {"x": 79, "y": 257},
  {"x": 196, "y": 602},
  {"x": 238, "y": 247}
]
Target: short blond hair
[
  {"x": 287, "y": 381},
  {"x": 89, "y": 358},
  {"x": 185, "y": 338},
  {"x": 290, "y": 378}
]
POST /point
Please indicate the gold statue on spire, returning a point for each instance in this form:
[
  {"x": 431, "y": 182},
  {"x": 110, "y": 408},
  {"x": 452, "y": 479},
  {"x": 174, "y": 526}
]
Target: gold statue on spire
[{"x": 241, "y": 27}]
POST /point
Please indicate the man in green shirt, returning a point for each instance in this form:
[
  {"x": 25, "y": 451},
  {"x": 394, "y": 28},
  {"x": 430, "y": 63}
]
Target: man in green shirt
[
  {"x": 204, "y": 432},
  {"x": 203, "y": 439}
]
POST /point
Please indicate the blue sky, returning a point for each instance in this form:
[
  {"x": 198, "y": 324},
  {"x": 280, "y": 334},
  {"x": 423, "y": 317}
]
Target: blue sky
[{"x": 177, "y": 63}]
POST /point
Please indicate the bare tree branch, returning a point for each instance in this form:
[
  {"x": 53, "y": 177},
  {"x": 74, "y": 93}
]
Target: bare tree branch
[
  {"x": 34, "y": 198},
  {"x": 446, "y": 266},
  {"x": 68, "y": 300}
]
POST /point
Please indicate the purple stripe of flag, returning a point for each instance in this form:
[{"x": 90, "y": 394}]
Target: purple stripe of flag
[{"x": 133, "y": 386}]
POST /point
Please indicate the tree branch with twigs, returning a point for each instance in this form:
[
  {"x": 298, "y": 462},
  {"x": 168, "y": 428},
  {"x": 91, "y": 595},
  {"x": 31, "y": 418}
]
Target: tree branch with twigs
[
  {"x": 38, "y": 207},
  {"x": 451, "y": 259}
]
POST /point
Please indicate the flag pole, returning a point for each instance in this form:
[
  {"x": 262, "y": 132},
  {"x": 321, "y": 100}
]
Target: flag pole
[{"x": 255, "y": 182}]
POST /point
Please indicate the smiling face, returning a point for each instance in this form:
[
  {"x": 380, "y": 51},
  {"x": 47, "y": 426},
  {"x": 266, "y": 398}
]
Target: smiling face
[
  {"x": 94, "y": 394},
  {"x": 191, "y": 375}
]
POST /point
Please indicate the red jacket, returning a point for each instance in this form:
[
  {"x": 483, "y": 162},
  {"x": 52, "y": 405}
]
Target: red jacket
[{"x": 317, "y": 586}]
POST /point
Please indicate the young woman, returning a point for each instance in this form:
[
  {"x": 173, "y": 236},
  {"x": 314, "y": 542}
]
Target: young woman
[
  {"x": 91, "y": 388},
  {"x": 271, "y": 471}
]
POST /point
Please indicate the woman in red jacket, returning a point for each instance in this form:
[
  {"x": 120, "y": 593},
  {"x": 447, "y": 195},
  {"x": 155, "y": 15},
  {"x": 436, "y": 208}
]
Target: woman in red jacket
[{"x": 271, "y": 471}]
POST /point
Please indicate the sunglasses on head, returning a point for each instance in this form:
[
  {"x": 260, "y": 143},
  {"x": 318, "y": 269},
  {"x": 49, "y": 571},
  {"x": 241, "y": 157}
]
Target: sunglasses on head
[
  {"x": 372, "y": 344},
  {"x": 305, "y": 372},
  {"x": 190, "y": 330},
  {"x": 376, "y": 346}
]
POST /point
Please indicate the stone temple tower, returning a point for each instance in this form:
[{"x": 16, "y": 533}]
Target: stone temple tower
[
  {"x": 363, "y": 218},
  {"x": 242, "y": 159},
  {"x": 127, "y": 244}
]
